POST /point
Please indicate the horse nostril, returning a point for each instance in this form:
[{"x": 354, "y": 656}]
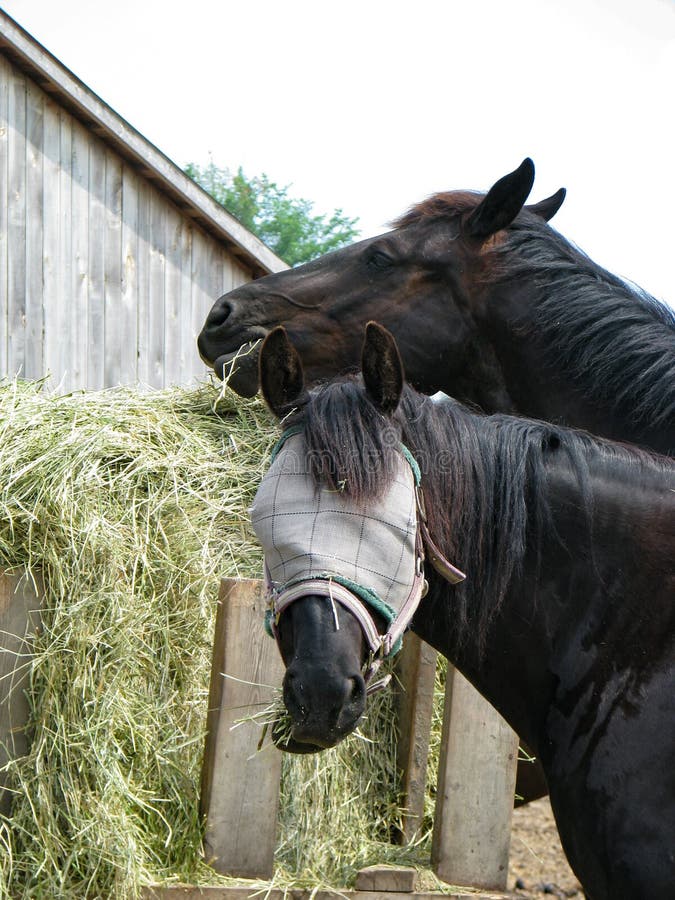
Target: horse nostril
[
  {"x": 294, "y": 698},
  {"x": 358, "y": 691},
  {"x": 220, "y": 313},
  {"x": 354, "y": 703}
]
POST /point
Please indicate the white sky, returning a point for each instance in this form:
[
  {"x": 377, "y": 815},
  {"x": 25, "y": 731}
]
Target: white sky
[{"x": 372, "y": 105}]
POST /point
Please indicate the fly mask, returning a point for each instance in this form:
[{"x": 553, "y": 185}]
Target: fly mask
[{"x": 365, "y": 555}]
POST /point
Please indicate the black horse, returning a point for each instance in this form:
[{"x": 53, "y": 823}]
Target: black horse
[
  {"x": 566, "y": 622},
  {"x": 487, "y": 303}
]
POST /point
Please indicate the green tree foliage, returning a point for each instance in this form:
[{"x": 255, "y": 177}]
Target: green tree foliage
[{"x": 286, "y": 224}]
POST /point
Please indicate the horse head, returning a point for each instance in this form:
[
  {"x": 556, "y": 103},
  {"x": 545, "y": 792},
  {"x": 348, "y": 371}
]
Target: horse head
[
  {"x": 422, "y": 281},
  {"x": 329, "y": 638}
]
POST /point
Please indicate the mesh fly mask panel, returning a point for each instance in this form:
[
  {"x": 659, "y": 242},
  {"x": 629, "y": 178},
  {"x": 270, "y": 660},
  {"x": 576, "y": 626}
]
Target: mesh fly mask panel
[{"x": 318, "y": 541}]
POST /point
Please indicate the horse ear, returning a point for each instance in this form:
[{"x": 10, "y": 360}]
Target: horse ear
[
  {"x": 547, "y": 208},
  {"x": 502, "y": 203},
  {"x": 382, "y": 368},
  {"x": 281, "y": 378}
]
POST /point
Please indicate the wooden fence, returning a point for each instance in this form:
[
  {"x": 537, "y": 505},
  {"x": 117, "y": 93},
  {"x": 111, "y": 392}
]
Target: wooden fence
[{"x": 477, "y": 769}]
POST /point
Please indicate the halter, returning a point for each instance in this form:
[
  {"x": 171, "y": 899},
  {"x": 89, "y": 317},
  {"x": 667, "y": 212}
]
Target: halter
[{"x": 358, "y": 598}]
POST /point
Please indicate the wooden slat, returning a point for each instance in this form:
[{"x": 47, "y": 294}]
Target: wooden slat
[
  {"x": 53, "y": 226},
  {"x": 175, "y": 225},
  {"x": 416, "y": 676},
  {"x": 19, "y": 619},
  {"x": 112, "y": 272},
  {"x": 190, "y": 364},
  {"x": 156, "y": 291},
  {"x": 129, "y": 299},
  {"x": 5, "y": 72},
  {"x": 96, "y": 309},
  {"x": 397, "y": 879},
  {"x": 240, "y": 787},
  {"x": 476, "y": 782},
  {"x": 16, "y": 226},
  {"x": 199, "y": 296},
  {"x": 61, "y": 344},
  {"x": 143, "y": 278},
  {"x": 79, "y": 293},
  {"x": 250, "y": 892},
  {"x": 34, "y": 324}
]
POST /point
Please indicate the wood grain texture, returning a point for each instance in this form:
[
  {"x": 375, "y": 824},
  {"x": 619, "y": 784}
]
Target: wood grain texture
[
  {"x": 397, "y": 879},
  {"x": 240, "y": 785},
  {"x": 244, "y": 892},
  {"x": 20, "y": 603},
  {"x": 416, "y": 676},
  {"x": 105, "y": 278},
  {"x": 476, "y": 783}
]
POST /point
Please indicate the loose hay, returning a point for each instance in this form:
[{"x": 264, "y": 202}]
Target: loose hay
[{"x": 132, "y": 506}]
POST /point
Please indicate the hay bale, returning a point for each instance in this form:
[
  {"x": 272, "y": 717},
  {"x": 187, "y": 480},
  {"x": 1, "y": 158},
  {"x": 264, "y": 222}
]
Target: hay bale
[{"x": 132, "y": 506}]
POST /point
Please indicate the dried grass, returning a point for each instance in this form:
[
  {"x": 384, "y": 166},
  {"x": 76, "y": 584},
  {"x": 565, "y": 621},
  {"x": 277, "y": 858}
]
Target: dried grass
[{"x": 132, "y": 506}]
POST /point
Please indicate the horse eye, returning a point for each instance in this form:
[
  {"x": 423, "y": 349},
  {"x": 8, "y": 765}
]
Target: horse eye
[{"x": 378, "y": 259}]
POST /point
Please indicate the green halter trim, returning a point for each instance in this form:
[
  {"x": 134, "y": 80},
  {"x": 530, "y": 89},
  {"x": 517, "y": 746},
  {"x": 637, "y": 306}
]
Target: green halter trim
[
  {"x": 371, "y": 598},
  {"x": 285, "y": 435}
]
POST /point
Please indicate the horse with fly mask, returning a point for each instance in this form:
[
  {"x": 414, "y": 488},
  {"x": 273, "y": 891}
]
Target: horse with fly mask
[
  {"x": 488, "y": 304},
  {"x": 566, "y": 620}
]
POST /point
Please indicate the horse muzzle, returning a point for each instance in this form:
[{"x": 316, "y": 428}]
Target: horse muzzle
[
  {"x": 324, "y": 706},
  {"x": 229, "y": 343},
  {"x": 240, "y": 369}
]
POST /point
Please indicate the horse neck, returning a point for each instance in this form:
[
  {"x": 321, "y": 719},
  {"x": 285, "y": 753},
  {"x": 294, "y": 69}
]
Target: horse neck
[
  {"x": 588, "y": 552},
  {"x": 578, "y": 346}
]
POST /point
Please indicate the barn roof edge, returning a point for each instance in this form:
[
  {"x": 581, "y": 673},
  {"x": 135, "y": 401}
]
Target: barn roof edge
[{"x": 59, "y": 82}]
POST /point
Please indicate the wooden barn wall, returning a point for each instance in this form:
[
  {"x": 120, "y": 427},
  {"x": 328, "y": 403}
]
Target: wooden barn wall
[{"x": 102, "y": 280}]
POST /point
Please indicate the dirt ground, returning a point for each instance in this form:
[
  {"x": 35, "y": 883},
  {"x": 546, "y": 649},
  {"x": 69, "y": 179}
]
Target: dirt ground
[{"x": 537, "y": 863}]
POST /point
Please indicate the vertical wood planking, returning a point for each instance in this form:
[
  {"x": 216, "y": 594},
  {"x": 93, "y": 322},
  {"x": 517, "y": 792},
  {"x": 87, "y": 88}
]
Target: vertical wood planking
[
  {"x": 143, "y": 278},
  {"x": 16, "y": 226},
  {"x": 175, "y": 226},
  {"x": 240, "y": 787},
  {"x": 416, "y": 675},
  {"x": 157, "y": 291},
  {"x": 476, "y": 783},
  {"x": 78, "y": 299},
  {"x": 34, "y": 324},
  {"x": 129, "y": 299},
  {"x": 19, "y": 619},
  {"x": 102, "y": 279},
  {"x": 61, "y": 335},
  {"x": 112, "y": 270},
  {"x": 213, "y": 275},
  {"x": 190, "y": 362},
  {"x": 199, "y": 297},
  {"x": 5, "y": 74},
  {"x": 53, "y": 259},
  {"x": 96, "y": 312},
  {"x": 240, "y": 275}
]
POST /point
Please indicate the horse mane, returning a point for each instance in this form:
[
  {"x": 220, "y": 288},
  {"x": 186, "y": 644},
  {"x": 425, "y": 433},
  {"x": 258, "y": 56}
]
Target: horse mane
[
  {"x": 484, "y": 479},
  {"x": 614, "y": 340},
  {"x": 445, "y": 205}
]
